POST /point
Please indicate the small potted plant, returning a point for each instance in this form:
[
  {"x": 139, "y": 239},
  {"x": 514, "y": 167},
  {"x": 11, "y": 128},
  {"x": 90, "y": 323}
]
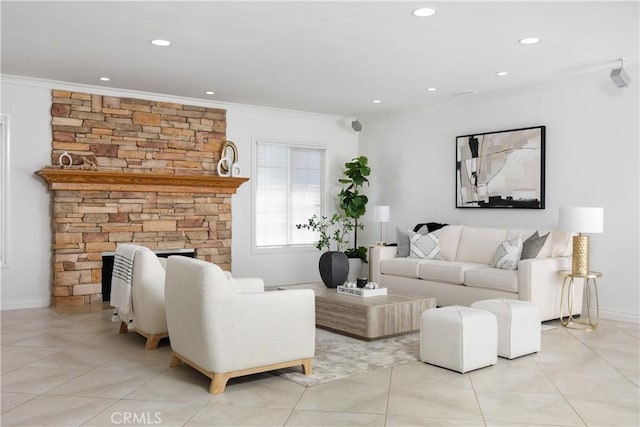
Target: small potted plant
[{"x": 333, "y": 264}]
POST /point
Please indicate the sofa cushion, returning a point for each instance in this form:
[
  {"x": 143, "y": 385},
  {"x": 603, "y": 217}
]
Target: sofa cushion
[
  {"x": 508, "y": 254},
  {"x": 424, "y": 246},
  {"x": 479, "y": 244},
  {"x": 492, "y": 278},
  {"x": 445, "y": 271},
  {"x": 406, "y": 267},
  {"x": 449, "y": 238}
]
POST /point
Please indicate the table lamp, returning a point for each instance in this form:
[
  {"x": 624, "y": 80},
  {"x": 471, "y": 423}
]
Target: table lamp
[
  {"x": 581, "y": 220},
  {"x": 381, "y": 215}
]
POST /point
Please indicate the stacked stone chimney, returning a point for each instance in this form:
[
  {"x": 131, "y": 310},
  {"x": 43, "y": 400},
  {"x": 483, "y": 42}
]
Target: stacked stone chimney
[{"x": 132, "y": 136}]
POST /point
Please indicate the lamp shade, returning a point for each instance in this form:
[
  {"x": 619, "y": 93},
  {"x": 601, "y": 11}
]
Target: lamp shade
[
  {"x": 582, "y": 220},
  {"x": 381, "y": 213}
]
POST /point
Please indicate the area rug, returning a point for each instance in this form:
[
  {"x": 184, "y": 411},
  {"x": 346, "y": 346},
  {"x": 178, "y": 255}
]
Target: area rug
[{"x": 338, "y": 356}]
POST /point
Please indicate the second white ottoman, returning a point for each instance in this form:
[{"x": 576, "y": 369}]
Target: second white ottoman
[
  {"x": 518, "y": 326},
  {"x": 458, "y": 338}
]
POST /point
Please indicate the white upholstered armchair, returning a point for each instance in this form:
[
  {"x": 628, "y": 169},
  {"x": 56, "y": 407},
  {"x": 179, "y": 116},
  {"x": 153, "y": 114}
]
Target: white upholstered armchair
[{"x": 226, "y": 327}]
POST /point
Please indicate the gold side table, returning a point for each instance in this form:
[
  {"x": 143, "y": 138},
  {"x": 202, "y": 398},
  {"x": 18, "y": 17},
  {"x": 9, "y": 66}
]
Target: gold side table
[{"x": 570, "y": 321}]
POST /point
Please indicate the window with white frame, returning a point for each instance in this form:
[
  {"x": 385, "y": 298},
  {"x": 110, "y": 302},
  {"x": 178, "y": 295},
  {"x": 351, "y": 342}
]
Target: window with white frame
[{"x": 288, "y": 191}]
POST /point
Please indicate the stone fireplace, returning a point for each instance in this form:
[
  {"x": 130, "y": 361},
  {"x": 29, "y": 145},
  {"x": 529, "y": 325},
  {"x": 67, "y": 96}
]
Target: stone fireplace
[
  {"x": 109, "y": 257},
  {"x": 141, "y": 172}
]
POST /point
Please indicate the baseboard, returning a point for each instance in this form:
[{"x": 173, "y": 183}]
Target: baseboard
[
  {"x": 25, "y": 304},
  {"x": 618, "y": 316}
]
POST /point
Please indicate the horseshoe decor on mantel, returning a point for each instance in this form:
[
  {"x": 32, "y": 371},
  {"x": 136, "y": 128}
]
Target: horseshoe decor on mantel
[{"x": 228, "y": 164}]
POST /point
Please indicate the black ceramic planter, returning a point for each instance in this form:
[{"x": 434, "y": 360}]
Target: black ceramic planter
[{"x": 334, "y": 268}]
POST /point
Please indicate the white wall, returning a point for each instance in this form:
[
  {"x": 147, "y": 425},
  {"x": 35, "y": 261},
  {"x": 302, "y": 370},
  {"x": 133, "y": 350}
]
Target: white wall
[
  {"x": 244, "y": 126},
  {"x": 26, "y": 281},
  {"x": 592, "y": 155}
]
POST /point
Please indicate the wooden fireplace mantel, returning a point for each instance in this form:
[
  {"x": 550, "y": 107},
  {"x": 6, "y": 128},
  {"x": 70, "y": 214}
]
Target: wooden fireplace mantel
[{"x": 88, "y": 180}]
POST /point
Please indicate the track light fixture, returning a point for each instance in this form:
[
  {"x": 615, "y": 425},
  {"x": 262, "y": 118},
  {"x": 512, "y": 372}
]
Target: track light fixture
[{"x": 620, "y": 77}]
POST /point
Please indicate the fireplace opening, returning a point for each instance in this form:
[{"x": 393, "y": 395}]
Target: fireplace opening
[{"x": 107, "y": 266}]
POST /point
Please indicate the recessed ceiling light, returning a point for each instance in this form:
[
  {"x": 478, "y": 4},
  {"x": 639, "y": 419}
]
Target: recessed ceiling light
[
  {"x": 209, "y": 92},
  {"x": 424, "y": 12},
  {"x": 530, "y": 40},
  {"x": 376, "y": 101},
  {"x": 105, "y": 79},
  {"x": 431, "y": 89},
  {"x": 160, "y": 42},
  {"x": 501, "y": 73}
]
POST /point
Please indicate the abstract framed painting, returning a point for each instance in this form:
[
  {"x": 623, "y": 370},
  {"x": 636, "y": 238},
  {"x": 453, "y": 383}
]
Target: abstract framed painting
[{"x": 503, "y": 169}]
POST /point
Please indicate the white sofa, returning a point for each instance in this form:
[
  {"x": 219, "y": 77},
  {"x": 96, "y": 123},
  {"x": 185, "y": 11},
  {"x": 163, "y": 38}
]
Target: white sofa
[{"x": 464, "y": 275}]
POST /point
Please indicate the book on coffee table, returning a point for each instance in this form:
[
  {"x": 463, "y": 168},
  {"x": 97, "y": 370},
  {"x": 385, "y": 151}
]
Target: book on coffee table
[{"x": 361, "y": 292}]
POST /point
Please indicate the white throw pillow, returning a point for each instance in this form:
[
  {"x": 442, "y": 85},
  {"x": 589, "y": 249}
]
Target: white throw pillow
[
  {"x": 424, "y": 246},
  {"x": 508, "y": 254}
]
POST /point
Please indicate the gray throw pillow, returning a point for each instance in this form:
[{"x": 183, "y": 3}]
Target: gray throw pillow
[
  {"x": 403, "y": 237},
  {"x": 533, "y": 245}
]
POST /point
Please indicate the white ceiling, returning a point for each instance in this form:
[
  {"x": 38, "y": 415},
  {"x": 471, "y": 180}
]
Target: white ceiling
[{"x": 327, "y": 57}]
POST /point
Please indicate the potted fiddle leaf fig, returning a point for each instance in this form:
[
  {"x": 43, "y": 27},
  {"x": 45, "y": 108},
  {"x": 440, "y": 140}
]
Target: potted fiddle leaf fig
[
  {"x": 333, "y": 264},
  {"x": 353, "y": 202}
]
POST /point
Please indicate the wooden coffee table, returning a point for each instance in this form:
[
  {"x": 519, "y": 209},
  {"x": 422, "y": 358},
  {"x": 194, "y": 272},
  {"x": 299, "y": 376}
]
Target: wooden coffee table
[{"x": 367, "y": 318}]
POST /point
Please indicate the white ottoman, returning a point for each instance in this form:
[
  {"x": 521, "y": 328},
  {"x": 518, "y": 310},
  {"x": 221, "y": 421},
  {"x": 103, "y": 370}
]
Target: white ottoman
[
  {"x": 458, "y": 338},
  {"x": 518, "y": 326}
]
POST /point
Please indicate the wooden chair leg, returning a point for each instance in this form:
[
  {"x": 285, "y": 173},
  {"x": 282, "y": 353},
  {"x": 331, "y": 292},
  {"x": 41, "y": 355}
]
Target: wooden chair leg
[
  {"x": 306, "y": 367},
  {"x": 175, "y": 360},
  {"x": 218, "y": 383},
  {"x": 219, "y": 380},
  {"x": 123, "y": 328},
  {"x": 152, "y": 342}
]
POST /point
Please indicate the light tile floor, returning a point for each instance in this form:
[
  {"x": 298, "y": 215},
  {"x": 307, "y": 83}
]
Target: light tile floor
[{"x": 76, "y": 370}]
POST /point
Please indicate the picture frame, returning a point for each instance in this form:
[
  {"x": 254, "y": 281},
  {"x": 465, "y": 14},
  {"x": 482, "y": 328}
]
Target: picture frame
[{"x": 501, "y": 169}]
